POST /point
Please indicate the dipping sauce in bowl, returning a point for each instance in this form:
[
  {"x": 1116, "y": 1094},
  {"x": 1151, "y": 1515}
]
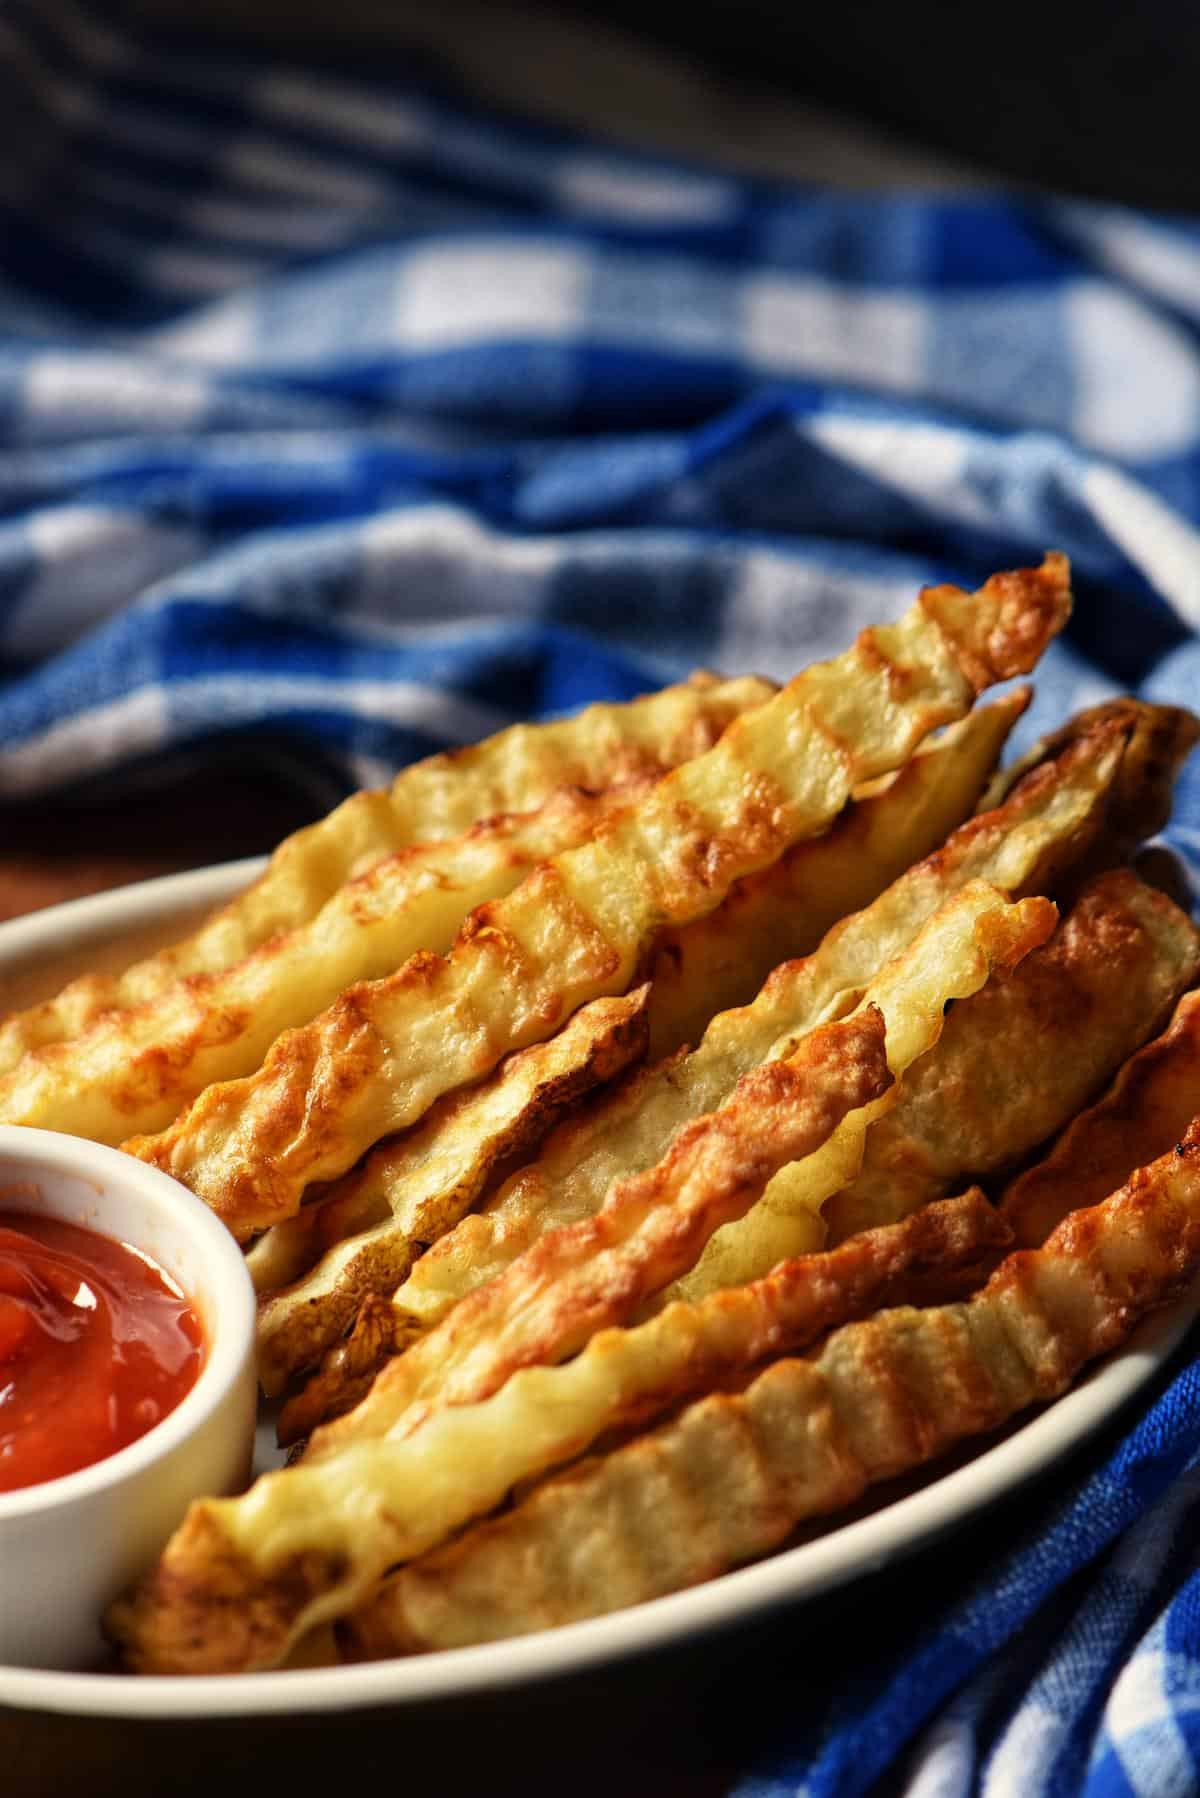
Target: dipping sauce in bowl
[
  {"x": 127, "y": 1323},
  {"x": 97, "y": 1345}
]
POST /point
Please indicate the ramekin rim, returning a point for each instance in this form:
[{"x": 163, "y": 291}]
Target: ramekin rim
[{"x": 230, "y": 1335}]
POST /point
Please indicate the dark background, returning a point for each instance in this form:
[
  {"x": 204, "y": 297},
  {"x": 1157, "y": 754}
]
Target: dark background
[{"x": 1097, "y": 99}]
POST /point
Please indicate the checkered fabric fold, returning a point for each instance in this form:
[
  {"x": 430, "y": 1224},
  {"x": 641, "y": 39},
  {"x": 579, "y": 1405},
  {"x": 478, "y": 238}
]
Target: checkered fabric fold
[{"x": 342, "y": 416}]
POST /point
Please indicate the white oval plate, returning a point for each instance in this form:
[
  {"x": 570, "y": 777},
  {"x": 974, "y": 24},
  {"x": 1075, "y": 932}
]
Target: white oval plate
[{"x": 66, "y": 935}]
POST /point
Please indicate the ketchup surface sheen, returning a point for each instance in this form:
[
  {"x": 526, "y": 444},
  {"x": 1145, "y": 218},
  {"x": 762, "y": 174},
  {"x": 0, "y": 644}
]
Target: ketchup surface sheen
[{"x": 95, "y": 1347}]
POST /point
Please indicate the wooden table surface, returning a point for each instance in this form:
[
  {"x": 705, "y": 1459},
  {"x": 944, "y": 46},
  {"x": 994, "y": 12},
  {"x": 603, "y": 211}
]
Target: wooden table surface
[{"x": 55, "y": 850}]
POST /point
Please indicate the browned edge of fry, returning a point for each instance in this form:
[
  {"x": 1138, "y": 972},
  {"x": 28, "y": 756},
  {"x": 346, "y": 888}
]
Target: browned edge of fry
[
  {"x": 934, "y": 1254},
  {"x": 1147, "y": 1107},
  {"x": 303, "y": 1333}
]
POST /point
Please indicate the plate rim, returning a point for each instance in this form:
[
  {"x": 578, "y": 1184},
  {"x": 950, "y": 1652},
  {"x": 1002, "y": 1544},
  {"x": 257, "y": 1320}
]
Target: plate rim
[{"x": 843, "y": 1553}]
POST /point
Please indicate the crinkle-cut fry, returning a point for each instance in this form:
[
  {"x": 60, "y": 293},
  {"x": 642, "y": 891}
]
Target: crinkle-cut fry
[
  {"x": 1019, "y": 1058},
  {"x": 588, "y": 1275},
  {"x": 720, "y": 961},
  {"x": 577, "y": 927},
  {"x": 326, "y": 1558},
  {"x": 598, "y": 1042},
  {"x": 443, "y": 796},
  {"x": 950, "y": 957},
  {"x": 135, "y": 1070},
  {"x": 873, "y": 840},
  {"x": 653, "y": 1227},
  {"x": 468, "y": 1458},
  {"x": 687, "y": 1347},
  {"x": 426, "y": 1181},
  {"x": 1021, "y": 847},
  {"x": 973, "y": 934},
  {"x": 1147, "y": 1108},
  {"x": 735, "y": 1473}
]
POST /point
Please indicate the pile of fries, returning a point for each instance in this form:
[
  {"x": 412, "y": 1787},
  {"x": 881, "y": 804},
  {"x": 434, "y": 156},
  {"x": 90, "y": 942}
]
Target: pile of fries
[{"x": 649, "y": 1131}]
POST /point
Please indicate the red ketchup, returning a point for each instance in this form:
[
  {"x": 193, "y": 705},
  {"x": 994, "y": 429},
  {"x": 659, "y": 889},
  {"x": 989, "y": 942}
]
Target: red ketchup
[{"x": 96, "y": 1345}]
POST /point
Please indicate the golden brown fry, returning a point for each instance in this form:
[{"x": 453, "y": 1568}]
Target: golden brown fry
[
  {"x": 873, "y": 839},
  {"x": 950, "y": 959},
  {"x": 735, "y": 1473},
  {"x": 688, "y": 1347},
  {"x": 650, "y": 1228},
  {"x": 424, "y": 1182},
  {"x": 576, "y": 928},
  {"x": 1161, "y": 739},
  {"x": 467, "y": 1459},
  {"x": 720, "y": 961},
  {"x": 296, "y": 1568},
  {"x": 135, "y": 1069},
  {"x": 1051, "y": 817},
  {"x": 1017, "y": 1060},
  {"x": 1147, "y": 1108},
  {"x": 655, "y": 1226},
  {"x": 440, "y": 797}
]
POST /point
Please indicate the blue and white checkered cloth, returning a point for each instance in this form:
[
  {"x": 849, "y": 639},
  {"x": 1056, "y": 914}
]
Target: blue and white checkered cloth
[{"x": 338, "y": 414}]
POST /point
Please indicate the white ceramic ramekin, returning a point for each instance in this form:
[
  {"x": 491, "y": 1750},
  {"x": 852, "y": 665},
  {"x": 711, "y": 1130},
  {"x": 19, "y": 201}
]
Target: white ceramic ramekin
[{"x": 70, "y": 1545}]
